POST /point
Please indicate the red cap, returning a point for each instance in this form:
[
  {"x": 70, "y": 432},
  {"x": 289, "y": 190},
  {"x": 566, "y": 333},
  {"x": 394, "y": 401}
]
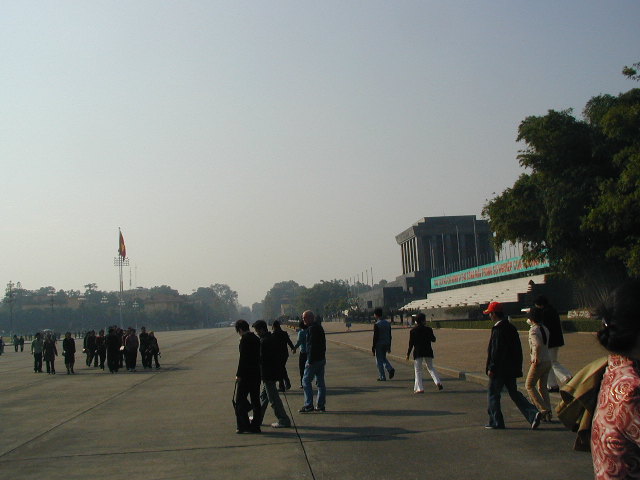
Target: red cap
[{"x": 493, "y": 307}]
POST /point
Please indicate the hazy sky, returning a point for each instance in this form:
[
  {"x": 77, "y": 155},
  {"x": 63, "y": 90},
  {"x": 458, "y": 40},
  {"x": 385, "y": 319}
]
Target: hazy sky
[{"x": 251, "y": 142}]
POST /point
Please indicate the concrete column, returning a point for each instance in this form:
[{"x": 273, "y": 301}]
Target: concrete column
[{"x": 404, "y": 258}]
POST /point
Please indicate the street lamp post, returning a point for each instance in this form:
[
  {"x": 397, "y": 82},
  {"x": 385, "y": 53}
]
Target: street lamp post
[
  {"x": 10, "y": 295},
  {"x": 51, "y": 295},
  {"x": 120, "y": 305},
  {"x": 81, "y": 300},
  {"x": 104, "y": 301},
  {"x": 135, "y": 306}
]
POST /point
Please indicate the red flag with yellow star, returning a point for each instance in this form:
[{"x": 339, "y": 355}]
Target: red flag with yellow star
[{"x": 122, "y": 249}]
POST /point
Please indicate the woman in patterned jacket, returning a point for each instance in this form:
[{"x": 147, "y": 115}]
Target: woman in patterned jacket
[{"x": 615, "y": 431}]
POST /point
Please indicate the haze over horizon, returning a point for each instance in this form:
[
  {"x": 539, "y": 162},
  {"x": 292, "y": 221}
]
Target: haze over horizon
[{"x": 249, "y": 143}]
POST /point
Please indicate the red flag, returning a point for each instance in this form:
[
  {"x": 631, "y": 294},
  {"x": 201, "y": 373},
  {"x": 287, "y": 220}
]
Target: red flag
[{"x": 122, "y": 250}]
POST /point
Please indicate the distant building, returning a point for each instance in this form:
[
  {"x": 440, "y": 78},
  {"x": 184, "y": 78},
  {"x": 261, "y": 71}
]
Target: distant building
[{"x": 431, "y": 247}]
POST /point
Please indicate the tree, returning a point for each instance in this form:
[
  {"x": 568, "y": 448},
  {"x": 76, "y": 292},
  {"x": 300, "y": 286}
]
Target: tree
[
  {"x": 578, "y": 202},
  {"x": 164, "y": 290},
  {"x": 227, "y": 301},
  {"x": 617, "y": 208},
  {"x": 324, "y": 298},
  {"x": 282, "y": 293},
  {"x": 632, "y": 72}
]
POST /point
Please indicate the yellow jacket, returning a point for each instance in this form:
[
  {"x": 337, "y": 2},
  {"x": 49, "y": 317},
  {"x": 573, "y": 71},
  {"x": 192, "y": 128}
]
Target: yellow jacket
[{"x": 579, "y": 400}]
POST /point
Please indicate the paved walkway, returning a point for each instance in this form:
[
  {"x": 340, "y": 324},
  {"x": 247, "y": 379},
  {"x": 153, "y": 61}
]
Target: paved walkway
[
  {"x": 463, "y": 353},
  {"x": 177, "y": 423}
]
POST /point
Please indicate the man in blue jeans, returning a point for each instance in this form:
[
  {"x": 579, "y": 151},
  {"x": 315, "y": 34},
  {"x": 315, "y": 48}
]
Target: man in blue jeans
[
  {"x": 382, "y": 345},
  {"x": 504, "y": 365},
  {"x": 316, "y": 348}
]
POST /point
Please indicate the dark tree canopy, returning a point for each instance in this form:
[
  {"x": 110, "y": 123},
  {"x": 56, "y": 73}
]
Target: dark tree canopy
[{"x": 578, "y": 202}]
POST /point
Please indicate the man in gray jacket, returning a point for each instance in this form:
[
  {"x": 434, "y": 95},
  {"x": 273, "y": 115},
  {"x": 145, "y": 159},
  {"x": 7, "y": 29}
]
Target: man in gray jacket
[{"x": 382, "y": 345}]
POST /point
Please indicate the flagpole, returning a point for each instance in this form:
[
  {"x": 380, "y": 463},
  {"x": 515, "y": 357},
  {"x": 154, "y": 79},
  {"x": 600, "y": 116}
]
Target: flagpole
[{"x": 121, "y": 261}]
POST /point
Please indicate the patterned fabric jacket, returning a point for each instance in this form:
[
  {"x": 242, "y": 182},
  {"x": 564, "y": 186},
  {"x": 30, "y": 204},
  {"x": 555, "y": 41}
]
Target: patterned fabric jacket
[{"x": 615, "y": 431}]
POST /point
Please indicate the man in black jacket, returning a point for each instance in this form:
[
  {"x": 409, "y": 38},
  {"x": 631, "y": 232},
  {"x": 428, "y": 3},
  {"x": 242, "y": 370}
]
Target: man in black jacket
[
  {"x": 316, "y": 361},
  {"x": 145, "y": 358},
  {"x": 504, "y": 365},
  {"x": 285, "y": 344},
  {"x": 248, "y": 380},
  {"x": 271, "y": 372}
]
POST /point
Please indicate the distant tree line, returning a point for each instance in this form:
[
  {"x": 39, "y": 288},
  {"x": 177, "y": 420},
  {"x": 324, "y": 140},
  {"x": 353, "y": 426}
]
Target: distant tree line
[
  {"x": 160, "y": 308},
  {"x": 326, "y": 298}
]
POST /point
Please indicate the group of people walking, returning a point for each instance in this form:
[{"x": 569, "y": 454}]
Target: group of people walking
[
  {"x": 117, "y": 348},
  {"x": 504, "y": 363},
  {"x": 263, "y": 358},
  {"x": 18, "y": 343}
]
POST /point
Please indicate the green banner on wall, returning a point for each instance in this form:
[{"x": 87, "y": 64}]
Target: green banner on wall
[{"x": 490, "y": 270}]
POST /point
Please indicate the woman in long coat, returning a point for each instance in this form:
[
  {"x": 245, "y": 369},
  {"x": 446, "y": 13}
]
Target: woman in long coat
[{"x": 49, "y": 353}]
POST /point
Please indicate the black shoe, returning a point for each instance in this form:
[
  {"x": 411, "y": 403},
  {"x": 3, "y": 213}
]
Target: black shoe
[
  {"x": 440, "y": 387},
  {"x": 555, "y": 389},
  {"x": 306, "y": 409},
  {"x": 382, "y": 379},
  {"x": 320, "y": 409},
  {"x": 392, "y": 372},
  {"x": 493, "y": 427}
]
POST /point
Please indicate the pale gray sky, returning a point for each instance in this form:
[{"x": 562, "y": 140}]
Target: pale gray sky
[{"x": 251, "y": 142}]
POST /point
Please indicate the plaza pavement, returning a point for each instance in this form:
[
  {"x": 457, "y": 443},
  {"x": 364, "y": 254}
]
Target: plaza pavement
[{"x": 177, "y": 423}]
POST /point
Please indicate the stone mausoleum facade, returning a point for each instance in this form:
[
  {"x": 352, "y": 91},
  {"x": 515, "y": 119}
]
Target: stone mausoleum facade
[{"x": 431, "y": 247}]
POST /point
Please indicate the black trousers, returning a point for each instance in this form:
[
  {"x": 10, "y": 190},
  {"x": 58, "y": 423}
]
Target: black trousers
[
  {"x": 69, "y": 360},
  {"x": 51, "y": 364},
  {"x": 285, "y": 383},
  {"x": 37, "y": 362},
  {"x": 248, "y": 388},
  {"x": 113, "y": 360},
  {"x": 102, "y": 354},
  {"x": 130, "y": 357},
  {"x": 145, "y": 358}
]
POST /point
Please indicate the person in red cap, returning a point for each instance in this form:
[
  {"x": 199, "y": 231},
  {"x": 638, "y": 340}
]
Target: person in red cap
[{"x": 504, "y": 365}]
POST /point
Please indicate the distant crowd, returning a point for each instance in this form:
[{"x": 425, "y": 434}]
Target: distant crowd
[{"x": 117, "y": 349}]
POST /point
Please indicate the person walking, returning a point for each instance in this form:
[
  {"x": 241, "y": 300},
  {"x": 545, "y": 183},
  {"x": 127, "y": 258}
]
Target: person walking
[
  {"x": 69, "y": 352},
  {"x": 131, "y": 345},
  {"x": 113, "y": 343},
  {"x": 37, "y": 346},
  {"x": 536, "y": 382},
  {"x": 420, "y": 338},
  {"x": 315, "y": 365},
  {"x": 285, "y": 343},
  {"x": 270, "y": 372},
  {"x": 153, "y": 349},
  {"x": 504, "y": 365},
  {"x": 559, "y": 374},
  {"x": 90, "y": 347},
  {"x": 145, "y": 358},
  {"x": 49, "y": 353},
  {"x": 21, "y": 343},
  {"x": 248, "y": 380},
  {"x": 382, "y": 345},
  {"x": 302, "y": 344},
  {"x": 101, "y": 348}
]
